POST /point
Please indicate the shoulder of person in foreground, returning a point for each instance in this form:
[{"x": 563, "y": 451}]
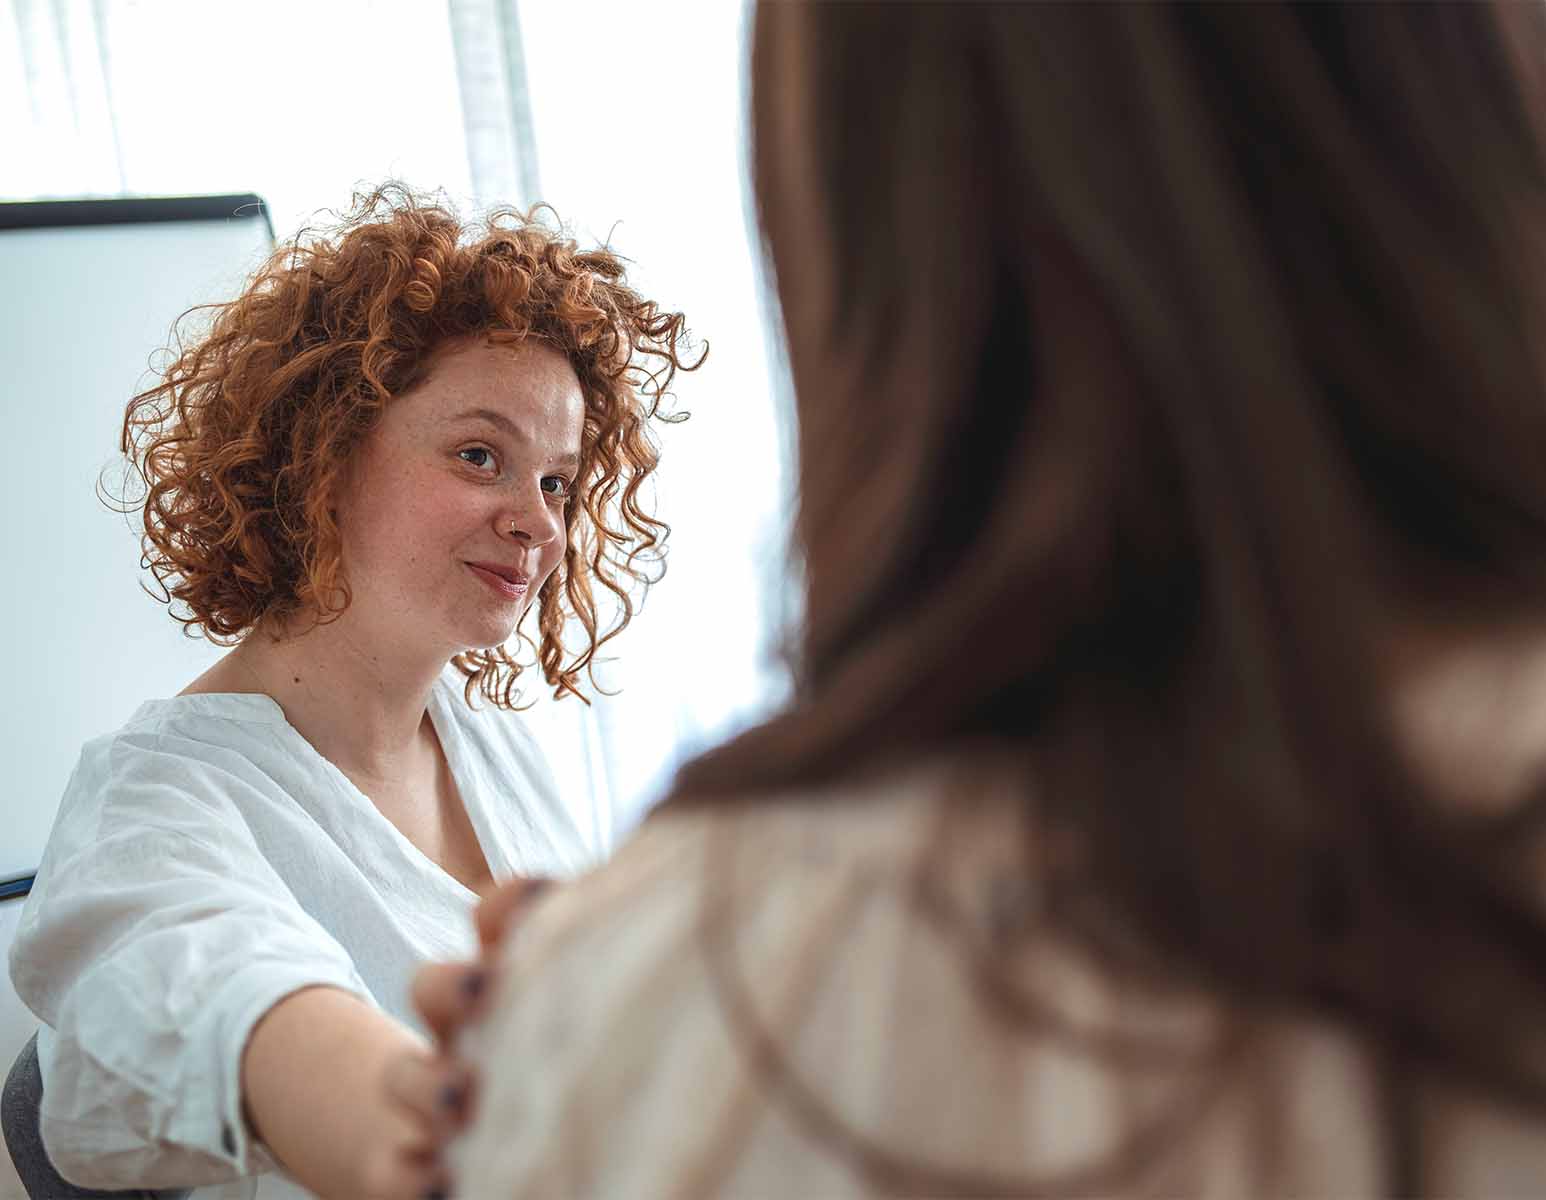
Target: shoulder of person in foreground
[
  {"x": 606, "y": 1003},
  {"x": 787, "y": 996}
]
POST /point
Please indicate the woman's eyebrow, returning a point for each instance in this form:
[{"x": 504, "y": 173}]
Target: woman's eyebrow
[{"x": 497, "y": 419}]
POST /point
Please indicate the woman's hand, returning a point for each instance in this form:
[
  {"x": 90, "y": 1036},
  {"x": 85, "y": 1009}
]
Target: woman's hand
[
  {"x": 498, "y": 910},
  {"x": 355, "y": 1106},
  {"x": 351, "y": 1103},
  {"x": 449, "y": 995}
]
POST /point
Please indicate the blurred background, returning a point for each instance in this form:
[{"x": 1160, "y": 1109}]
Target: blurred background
[{"x": 627, "y": 118}]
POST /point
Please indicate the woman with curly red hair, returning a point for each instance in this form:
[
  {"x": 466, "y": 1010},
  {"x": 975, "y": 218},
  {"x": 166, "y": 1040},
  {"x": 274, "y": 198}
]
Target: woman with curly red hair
[{"x": 399, "y": 439}]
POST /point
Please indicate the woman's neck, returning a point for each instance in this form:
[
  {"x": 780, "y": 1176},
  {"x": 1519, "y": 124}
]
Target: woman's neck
[{"x": 359, "y": 700}]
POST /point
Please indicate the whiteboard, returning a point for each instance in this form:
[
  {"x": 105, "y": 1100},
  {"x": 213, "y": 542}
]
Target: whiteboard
[{"x": 88, "y": 293}]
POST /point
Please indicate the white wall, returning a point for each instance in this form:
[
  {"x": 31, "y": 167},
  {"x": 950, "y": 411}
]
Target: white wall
[{"x": 81, "y": 310}]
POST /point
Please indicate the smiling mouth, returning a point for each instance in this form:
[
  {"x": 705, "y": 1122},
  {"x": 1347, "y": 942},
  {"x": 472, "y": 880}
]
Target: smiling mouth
[{"x": 502, "y": 580}]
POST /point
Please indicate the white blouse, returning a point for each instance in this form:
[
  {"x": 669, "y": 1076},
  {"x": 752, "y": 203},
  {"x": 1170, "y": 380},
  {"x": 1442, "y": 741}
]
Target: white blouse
[{"x": 206, "y": 862}]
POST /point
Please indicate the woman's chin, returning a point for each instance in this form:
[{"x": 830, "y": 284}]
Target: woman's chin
[{"x": 492, "y": 636}]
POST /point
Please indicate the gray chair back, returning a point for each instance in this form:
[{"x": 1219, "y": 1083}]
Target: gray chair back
[{"x": 20, "y": 1103}]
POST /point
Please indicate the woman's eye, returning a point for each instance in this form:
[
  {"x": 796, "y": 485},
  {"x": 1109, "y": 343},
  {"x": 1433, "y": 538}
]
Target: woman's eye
[
  {"x": 555, "y": 485},
  {"x": 476, "y": 456}
]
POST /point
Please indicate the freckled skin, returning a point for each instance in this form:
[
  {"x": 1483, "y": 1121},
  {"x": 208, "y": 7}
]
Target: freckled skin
[{"x": 487, "y": 440}]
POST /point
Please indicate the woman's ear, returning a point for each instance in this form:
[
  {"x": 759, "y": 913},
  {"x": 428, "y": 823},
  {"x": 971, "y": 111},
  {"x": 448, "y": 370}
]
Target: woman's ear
[{"x": 345, "y": 481}]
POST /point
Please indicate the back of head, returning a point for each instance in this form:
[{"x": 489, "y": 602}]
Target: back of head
[{"x": 1149, "y": 359}]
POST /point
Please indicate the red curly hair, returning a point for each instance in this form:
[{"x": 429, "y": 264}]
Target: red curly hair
[{"x": 242, "y": 443}]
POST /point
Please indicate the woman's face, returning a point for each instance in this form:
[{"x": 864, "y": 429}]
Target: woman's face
[{"x": 452, "y": 516}]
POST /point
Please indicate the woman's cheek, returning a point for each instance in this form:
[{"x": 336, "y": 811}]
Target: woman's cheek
[{"x": 556, "y": 556}]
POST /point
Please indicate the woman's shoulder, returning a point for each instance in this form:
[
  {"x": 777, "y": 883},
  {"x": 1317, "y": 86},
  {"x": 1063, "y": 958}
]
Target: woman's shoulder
[
  {"x": 200, "y": 727},
  {"x": 198, "y": 715},
  {"x": 610, "y": 992},
  {"x": 836, "y": 927},
  {"x": 185, "y": 763},
  {"x": 868, "y": 954},
  {"x": 783, "y": 849},
  {"x": 780, "y": 887}
]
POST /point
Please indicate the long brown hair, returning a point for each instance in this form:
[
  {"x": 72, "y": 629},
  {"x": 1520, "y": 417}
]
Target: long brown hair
[{"x": 1314, "y": 240}]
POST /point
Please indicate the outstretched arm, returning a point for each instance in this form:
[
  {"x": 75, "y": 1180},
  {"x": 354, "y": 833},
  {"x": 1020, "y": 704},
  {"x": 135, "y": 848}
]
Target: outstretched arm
[{"x": 350, "y": 1102}]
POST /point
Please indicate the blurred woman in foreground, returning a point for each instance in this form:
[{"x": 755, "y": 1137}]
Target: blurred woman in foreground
[{"x": 1155, "y": 811}]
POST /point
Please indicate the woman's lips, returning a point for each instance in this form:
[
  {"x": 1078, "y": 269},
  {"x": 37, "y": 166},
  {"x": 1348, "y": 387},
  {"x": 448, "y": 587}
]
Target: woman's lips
[{"x": 511, "y": 588}]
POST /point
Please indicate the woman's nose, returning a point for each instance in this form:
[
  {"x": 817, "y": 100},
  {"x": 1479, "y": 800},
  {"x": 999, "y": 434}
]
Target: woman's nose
[{"x": 532, "y": 519}]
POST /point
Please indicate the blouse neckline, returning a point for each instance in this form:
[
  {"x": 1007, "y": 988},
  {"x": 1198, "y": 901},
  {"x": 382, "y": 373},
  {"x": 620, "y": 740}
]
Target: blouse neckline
[{"x": 259, "y": 708}]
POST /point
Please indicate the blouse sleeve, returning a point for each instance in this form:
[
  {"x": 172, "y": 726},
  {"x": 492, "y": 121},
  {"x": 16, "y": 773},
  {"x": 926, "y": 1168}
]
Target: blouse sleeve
[{"x": 156, "y": 936}]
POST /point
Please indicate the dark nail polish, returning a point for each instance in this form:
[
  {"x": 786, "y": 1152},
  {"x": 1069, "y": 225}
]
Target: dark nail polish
[
  {"x": 437, "y": 1194},
  {"x": 452, "y": 1097},
  {"x": 473, "y": 984}
]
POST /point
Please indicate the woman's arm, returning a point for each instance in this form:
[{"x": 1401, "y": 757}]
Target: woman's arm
[
  {"x": 350, "y": 1102},
  {"x": 158, "y": 940}
]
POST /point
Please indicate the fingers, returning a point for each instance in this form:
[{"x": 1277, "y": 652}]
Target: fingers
[
  {"x": 426, "y": 1180},
  {"x": 436, "y": 1091},
  {"x": 448, "y": 995},
  {"x": 430, "y": 1099},
  {"x": 499, "y": 908},
  {"x": 401, "y": 1174}
]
